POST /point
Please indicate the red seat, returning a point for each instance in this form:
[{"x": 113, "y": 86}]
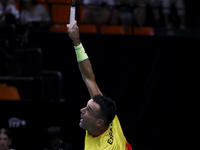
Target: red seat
[
  {"x": 112, "y": 29},
  {"x": 58, "y": 28},
  {"x": 82, "y": 28},
  {"x": 81, "y": 7},
  {"x": 143, "y": 31},
  {"x": 8, "y": 92},
  {"x": 87, "y": 28},
  {"x": 60, "y": 13}
]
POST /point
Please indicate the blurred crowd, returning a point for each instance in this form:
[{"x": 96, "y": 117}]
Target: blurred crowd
[
  {"x": 134, "y": 12},
  {"x": 18, "y": 22},
  {"x": 18, "y": 19}
]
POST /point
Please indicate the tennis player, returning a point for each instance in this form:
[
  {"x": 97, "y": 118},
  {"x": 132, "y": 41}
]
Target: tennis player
[{"x": 98, "y": 118}]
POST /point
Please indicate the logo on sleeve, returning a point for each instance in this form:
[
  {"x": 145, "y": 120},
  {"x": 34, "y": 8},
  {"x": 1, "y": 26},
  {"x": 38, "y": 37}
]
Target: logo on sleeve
[{"x": 111, "y": 139}]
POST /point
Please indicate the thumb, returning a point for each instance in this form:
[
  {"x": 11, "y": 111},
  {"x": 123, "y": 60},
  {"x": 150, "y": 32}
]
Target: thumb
[
  {"x": 75, "y": 23},
  {"x": 68, "y": 25}
]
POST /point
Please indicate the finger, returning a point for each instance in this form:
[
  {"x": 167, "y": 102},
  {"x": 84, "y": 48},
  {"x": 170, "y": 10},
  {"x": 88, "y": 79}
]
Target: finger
[
  {"x": 75, "y": 23},
  {"x": 68, "y": 25}
]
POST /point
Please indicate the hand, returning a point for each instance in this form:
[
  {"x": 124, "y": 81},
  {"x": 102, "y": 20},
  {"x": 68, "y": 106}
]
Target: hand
[{"x": 74, "y": 33}]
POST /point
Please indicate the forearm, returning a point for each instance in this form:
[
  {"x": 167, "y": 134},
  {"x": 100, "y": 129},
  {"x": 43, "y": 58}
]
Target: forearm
[{"x": 76, "y": 42}]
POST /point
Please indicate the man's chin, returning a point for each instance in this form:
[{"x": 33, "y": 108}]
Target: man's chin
[{"x": 81, "y": 125}]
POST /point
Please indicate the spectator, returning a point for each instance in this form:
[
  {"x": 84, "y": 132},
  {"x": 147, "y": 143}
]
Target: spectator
[
  {"x": 34, "y": 19},
  {"x": 9, "y": 19},
  {"x": 180, "y": 7},
  {"x": 33, "y": 12},
  {"x": 9, "y": 14},
  {"x": 99, "y": 12},
  {"x": 55, "y": 140},
  {"x": 155, "y": 8},
  {"x": 5, "y": 139},
  {"x": 132, "y": 12}
]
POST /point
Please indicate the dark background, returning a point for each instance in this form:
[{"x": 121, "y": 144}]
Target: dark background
[{"x": 154, "y": 80}]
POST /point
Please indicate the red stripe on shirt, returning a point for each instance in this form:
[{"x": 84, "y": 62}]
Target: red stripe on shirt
[{"x": 128, "y": 146}]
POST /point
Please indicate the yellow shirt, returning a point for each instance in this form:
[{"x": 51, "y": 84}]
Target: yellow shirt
[{"x": 112, "y": 139}]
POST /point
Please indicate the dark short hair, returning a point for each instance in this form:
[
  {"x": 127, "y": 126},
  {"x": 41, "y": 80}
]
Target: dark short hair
[
  {"x": 6, "y": 132},
  {"x": 108, "y": 108}
]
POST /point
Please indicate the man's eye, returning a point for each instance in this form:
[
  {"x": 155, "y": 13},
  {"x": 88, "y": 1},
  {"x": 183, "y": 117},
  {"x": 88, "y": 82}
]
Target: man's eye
[{"x": 88, "y": 109}]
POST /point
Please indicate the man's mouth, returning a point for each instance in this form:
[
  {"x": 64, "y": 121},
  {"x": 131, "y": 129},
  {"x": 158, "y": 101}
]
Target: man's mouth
[{"x": 81, "y": 118}]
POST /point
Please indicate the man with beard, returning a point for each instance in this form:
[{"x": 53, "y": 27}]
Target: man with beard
[{"x": 98, "y": 118}]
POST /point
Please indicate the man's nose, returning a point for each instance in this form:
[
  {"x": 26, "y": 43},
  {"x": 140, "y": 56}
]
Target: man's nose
[{"x": 82, "y": 110}]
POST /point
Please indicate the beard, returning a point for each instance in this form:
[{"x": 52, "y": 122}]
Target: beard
[
  {"x": 86, "y": 123},
  {"x": 83, "y": 124}
]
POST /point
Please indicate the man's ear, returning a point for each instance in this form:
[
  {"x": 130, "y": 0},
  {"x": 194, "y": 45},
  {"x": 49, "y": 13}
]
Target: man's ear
[{"x": 100, "y": 122}]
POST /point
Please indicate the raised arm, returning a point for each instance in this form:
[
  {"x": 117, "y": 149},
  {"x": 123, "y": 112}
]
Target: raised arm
[{"x": 84, "y": 64}]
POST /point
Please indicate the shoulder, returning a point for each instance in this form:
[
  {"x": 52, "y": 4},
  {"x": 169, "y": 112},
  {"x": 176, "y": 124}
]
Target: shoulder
[
  {"x": 107, "y": 139},
  {"x": 11, "y": 6},
  {"x": 115, "y": 120},
  {"x": 40, "y": 8}
]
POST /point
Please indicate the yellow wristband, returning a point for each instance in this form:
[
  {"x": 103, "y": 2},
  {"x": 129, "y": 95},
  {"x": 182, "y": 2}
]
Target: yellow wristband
[{"x": 80, "y": 53}]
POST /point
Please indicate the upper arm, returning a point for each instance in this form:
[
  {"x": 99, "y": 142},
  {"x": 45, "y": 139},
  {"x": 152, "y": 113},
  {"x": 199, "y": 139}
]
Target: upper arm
[
  {"x": 89, "y": 78},
  {"x": 92, "y": 87}
]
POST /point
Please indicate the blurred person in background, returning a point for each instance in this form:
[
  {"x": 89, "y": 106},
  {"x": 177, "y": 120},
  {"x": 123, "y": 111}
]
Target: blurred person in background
[
  {"x": 155, "y": 6},
  {"x": 9, "y": 14},
  {"x": 9, "y": 20},
  {"x": 34, "y": 18},
  {"x": 99, "y": 12},
  {"x": 180, "y": 8},
  {"x": 131, "y": 12},
  {"x": 55, "y": 140},
  {"x": 5, "y": 139},
  {"x": 33, "y": 12}
]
